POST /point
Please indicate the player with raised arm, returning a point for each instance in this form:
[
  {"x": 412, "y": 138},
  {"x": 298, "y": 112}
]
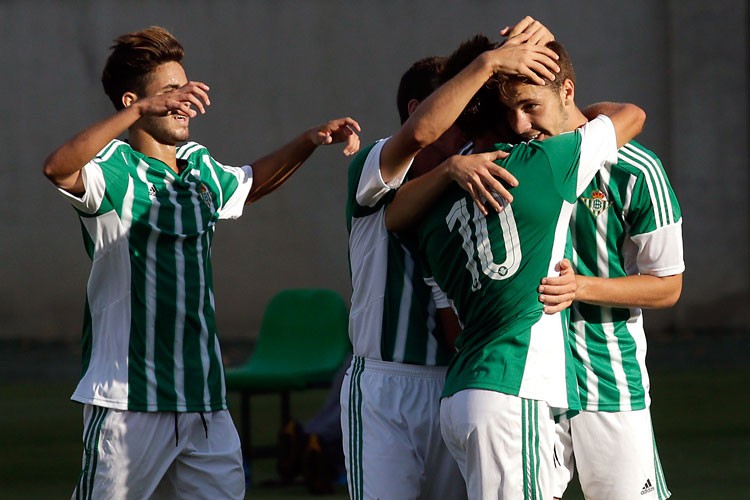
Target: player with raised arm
[
  {"x": 155, "y": 415},
  {"x": 390, "y": 396},
  {"x": 512, "y": 369}
]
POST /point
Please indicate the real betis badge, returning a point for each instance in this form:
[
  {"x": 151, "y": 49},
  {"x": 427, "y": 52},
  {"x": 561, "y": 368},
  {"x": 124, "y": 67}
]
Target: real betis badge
[
  {"x": 597, "y": 204},
  {"x": 205, "y": 195}
]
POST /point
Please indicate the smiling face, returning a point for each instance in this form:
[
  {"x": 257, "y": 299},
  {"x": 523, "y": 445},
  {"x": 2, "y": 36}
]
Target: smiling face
[
  {"x": 538, "y": 111},
  {"x": 172, "y": 128}
]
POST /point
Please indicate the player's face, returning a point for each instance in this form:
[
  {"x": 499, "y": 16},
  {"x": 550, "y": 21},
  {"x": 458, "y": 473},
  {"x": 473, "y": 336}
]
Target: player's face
[
  {"x": 172, "y": 128},
  {"x": 535, "y": 111}
]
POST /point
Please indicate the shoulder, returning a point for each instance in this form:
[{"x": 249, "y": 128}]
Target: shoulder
[
  {"x": 360, "y": 159},
  {"x": 546, "y": 151},
  {"x": 116, "y": 148},
  {"x": 190, "y": 149},
  {"x": 638, "y": 160}
]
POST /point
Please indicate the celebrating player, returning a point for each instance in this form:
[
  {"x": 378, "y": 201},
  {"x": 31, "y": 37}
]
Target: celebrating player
[
  {"x": 512, "y": 368},
  {"x": 390, "y": 396},
  {"x": 156, "y": 420}
]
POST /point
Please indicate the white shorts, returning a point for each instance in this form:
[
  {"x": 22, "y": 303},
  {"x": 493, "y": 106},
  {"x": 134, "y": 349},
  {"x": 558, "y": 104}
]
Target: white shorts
[
  {"x": 503, "y": 444},
  {"x": 143, "y": 455},
  {"x": 615, "y": 455},
  {"x": 391, "y": 429}
]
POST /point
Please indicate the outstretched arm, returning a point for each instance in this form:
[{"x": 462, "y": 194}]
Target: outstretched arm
[
  {"x": 272, "y": 170},
  {"x": 440, "y": 110},
  {"x": 63, "y": 166}
]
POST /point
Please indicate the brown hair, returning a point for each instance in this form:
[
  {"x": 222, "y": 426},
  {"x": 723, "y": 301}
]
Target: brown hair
[
  {"x": 419, "y": 81},
  {"x": 134, "y": 56},
  {"x": 506, "y": 82},
  {"x": 483, "y": 112}
]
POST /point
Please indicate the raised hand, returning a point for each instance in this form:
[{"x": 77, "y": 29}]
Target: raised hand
[
  {"x": 335, "y": 131},
  {"x": 181, "y": 101},
  {"x": 538, "y": 33},
  {"x": 516, "y": 57}
]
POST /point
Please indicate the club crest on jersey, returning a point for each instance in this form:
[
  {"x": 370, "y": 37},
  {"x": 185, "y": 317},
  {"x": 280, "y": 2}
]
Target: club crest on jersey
[
  {"x": 597, "y": 204},
  {"x": 205, "y": 196}
]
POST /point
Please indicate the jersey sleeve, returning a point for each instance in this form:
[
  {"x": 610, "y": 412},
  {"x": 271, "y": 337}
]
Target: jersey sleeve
[
  {"x": 660, "y": 252},
  {"x": 654, "y": 217},
  {"x": 236, "y": 182},
  {"x": 598, "y": 148},
  {"x": 94, "y": 181},
  {"x": 575, "y": 157},
  {"x": 371, "y": 188}
]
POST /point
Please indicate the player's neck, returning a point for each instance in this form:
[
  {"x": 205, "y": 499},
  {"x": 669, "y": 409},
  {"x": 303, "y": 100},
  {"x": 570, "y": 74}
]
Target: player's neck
[
  {"x": 145, "y": 144},
  {"x": 575, "y": 119}
]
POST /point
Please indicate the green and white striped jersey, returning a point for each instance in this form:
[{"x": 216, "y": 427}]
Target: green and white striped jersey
[
  {"x": 149, "y": 337},
  {"x": 392, "y": 314},
  {"x": 490, "y": 268},
  {"x": 626, "y": 222}
]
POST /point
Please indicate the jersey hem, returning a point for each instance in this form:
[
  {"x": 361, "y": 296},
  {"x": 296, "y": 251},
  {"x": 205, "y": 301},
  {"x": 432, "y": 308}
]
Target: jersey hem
[{"x": 119, "y": 405}]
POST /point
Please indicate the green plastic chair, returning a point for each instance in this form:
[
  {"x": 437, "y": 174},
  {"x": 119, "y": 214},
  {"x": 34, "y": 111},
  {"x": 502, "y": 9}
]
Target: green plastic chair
[{"x": 302, "y": 343}]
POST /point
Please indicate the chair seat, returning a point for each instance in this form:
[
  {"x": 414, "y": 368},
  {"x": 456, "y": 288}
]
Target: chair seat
[{"x": 302, "y": 343}]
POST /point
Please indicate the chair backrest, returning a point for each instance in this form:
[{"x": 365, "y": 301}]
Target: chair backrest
[{"x": 307, "y": 328}]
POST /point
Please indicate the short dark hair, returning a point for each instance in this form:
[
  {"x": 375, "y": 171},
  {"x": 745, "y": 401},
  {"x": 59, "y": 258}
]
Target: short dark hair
[
  {"x": 484, "y": 112},
  {"x": 134, "y": 56},
  {"x": 419, "y": 81}
]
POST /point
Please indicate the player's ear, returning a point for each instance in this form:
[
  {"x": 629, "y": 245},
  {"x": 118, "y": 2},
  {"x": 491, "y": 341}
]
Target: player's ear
[
  {"x": 411, "y": 106},
  {"x": 568, "y": 91},
  {"x": 128, "y": 98}
]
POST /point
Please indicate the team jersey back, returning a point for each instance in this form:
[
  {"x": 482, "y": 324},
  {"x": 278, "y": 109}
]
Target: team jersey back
[
  {"x": 392, "y": 314},
  {"x": 626, "y": 222},
  {"x": 150, "y": 341},
  {"x": 490, "y": 268}
]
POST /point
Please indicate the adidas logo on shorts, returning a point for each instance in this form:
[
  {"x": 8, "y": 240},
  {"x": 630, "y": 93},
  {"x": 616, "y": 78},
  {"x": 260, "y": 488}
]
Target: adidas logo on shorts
[{"x": 647, "y": 488}]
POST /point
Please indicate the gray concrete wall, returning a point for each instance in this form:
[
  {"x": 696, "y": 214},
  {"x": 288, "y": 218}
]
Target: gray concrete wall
[{"x": 277, "y": 67}]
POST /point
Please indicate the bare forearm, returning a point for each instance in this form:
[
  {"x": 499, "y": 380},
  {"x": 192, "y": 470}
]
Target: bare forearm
[
  {"x": 431, "y": 119},
  {"x": 64, "y": 165},
  {"x": 272, "y": 170},
  {"x": 439, "y": 111},
  {"x": 644, "y": 291},
  {"x": 415, "y": 198}
]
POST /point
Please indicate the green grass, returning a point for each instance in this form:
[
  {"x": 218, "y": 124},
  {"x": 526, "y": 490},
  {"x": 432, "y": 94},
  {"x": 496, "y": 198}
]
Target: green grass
[{"x": 700, "y": 420}]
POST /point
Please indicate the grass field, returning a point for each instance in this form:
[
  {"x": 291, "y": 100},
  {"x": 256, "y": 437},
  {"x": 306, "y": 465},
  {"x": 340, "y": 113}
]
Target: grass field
[{"x": 701, "y": 423}]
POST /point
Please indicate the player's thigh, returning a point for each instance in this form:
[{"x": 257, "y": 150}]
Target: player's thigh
[
  {"x": 503, "y": 444},
  {"x": 210, "y": 464},
  {"x": 126, "y": 454},
  {"x": 616, "y": 455},
  {"x": 389, "y": 420},
  {"x": 563, "y": 460}
]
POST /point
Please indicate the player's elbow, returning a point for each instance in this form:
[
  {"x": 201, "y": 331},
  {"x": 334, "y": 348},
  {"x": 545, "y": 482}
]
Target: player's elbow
[
  {"x": 51, "y": 171},
  {"x": 671, "y": 293},
  {"x": 639, "y": 118}
]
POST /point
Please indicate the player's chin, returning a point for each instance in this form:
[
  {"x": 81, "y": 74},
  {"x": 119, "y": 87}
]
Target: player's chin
[{"x": 181, "y": 134}]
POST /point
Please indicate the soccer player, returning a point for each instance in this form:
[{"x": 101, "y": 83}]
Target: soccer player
[
  {"x": 626, "y": 233},
  {"x": 390, "y": 395},
  {"x": 512, "y": 368},
  {"x": 155, "y": 415}
]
